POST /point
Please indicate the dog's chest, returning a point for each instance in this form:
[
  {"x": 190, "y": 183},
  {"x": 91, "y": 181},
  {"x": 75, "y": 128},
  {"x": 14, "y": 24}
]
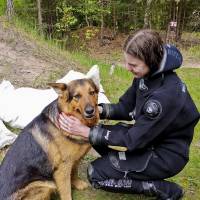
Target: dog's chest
[
  {"x": 73, "y": 151},
  {"x": 62, "y": 150}
]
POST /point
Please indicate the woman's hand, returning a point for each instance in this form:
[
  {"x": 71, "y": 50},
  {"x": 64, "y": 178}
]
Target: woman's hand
[{"x": 73, "y": 125}]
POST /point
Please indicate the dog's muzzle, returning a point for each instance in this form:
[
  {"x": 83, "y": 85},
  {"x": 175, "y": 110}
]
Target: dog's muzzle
[{"x": 89, "y": 112}]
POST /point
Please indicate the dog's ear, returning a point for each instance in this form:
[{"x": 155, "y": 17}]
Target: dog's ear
[{"x": 60, "y": 88}]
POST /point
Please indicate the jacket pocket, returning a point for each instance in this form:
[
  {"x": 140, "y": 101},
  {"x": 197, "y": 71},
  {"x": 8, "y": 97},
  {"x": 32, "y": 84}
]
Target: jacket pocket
[{"x": 129, "y": 161}]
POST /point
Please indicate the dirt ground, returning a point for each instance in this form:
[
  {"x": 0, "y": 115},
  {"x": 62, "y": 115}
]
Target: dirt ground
[
  {"x": 25, "y": 62},
  {"x": 112, "y": 52}
]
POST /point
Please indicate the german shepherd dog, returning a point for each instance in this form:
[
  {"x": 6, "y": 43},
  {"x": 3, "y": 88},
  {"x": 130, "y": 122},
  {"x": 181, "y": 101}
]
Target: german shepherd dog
[{"x": 44, "y": 158}]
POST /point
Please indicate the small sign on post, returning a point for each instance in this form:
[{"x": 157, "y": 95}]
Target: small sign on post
[
  {"x": 171, "y": 32},
  {"x": 173, "y": 25}
]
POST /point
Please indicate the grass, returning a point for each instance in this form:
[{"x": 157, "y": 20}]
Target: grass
[
  {"x": 2, "y": 7},
  {"x": 194, "y": 51},
  {"x": 114, "y": 86},
  {"x": 189, "y": 178}
]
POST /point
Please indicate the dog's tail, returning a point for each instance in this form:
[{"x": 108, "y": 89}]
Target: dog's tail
[{"x": 36, "y": 190}]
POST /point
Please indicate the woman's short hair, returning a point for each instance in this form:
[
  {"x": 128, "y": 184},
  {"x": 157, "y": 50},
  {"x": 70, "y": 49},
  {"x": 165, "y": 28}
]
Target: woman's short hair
[{"x": 146, "y": 45}]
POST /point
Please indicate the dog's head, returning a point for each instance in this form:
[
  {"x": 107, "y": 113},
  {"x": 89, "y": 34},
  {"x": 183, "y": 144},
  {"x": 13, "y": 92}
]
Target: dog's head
[{"x": 80, "y": 99}]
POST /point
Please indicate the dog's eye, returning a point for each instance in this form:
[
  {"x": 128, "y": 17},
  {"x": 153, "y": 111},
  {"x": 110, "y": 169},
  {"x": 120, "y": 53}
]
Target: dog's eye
[
  {"x": 92, "y": 93},
  {"x": 77, "y": 97}
]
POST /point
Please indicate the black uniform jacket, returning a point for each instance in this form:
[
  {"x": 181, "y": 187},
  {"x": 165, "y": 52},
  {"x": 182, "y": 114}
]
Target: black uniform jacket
[{"x": 165, "y": 117}]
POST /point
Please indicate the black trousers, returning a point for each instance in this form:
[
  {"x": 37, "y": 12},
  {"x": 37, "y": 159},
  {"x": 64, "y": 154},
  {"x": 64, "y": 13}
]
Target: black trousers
[
  {"x": 103, "y": 169},
  {"x": 102, "y": 175}
]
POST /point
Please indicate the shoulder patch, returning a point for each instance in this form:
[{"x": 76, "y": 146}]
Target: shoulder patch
[{"x": 152, "y": 109}]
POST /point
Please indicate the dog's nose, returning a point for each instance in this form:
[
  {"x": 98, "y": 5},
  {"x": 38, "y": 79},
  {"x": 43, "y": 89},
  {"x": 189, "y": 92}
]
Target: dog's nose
[{"x": 89, "y": 110}]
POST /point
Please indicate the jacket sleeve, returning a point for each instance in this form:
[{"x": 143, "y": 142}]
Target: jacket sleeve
[
  {"x": 148, "y": 126},
  {"x": 122, "y": 109}
]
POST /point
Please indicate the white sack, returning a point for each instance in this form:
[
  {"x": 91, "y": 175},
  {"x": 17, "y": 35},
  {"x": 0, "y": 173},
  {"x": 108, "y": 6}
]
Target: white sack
[{"x": 19, "y": 106}]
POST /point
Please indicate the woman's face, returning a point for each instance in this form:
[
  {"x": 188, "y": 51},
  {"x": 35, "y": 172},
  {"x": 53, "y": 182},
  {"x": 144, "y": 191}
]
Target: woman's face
[{"x": 136, "y": 66}]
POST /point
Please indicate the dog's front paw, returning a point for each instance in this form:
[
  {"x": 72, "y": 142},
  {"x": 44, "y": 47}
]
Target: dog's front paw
[{"x": 79, "y": 184}]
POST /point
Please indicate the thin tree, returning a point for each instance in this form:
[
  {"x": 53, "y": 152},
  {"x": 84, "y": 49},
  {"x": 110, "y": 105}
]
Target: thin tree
[
  {"x": 103, "y": 11},
  {"x": 114, "y": 18},
  {"x": 180, "y": 18},
  {"x": 147, "y": 21},
  {"x": 39, "y": 9},
  {"x": 9, "y": 9},
  {"x": 102, "y": 4}
]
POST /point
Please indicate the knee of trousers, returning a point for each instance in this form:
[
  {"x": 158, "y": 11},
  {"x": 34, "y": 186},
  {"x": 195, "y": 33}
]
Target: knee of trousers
[
  {"x": 91, "y": 176},
  {"x": 90, "y": 171}
]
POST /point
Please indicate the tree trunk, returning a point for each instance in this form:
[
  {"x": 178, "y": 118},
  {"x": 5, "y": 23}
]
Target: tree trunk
[
  {"x": 102, "y": 28},
  {"x": 147, "y": 21},
  {"x": 102, "y": 22},
  {"x": 180, "y": 19},
  {"x": 9, "y": 9},
  {"x": 40, "y": 25},
  {"x": 114, "y": 20},
  {"x": 184, "y": 12},
  {"x": 87, "y": 21},
  {"x": 172, "y": 23}
]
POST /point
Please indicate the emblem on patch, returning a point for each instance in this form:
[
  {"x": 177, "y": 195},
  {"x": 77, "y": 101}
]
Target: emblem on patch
[{"x": 152, "y": 109}]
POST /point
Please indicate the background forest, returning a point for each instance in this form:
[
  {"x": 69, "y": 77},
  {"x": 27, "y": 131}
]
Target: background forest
[{"x": 64, "y": 20}]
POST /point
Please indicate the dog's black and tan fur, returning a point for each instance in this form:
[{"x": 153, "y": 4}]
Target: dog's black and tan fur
[{"x": 44, "y": 159}]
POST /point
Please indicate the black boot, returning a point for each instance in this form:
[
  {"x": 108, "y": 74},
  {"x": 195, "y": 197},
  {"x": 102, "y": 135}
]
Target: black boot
[
  {"x": 163, "y": 190},
  {"x": 119, "y": 185},
  {"x": 113, "y": 185}
]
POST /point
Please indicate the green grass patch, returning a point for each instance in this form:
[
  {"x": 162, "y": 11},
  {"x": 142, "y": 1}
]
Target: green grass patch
[
  {"x": 115, "y": 85},
  {"x": 2, "y": 7},
  {"x": 194, "y": 51}
]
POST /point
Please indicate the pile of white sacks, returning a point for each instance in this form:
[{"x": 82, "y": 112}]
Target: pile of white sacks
[{"x": 19, "y": 106}]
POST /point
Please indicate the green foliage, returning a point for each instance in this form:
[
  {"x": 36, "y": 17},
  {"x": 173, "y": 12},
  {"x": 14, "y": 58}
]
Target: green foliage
[
  {"x": 2, "y": 7},
  {"x": 25, "y": 10},
  {"x": 90, "y": 33},
  {"x": 195, "y": 20},
  {"x": 90, "y": 11},
  {"x": 61, "y": 17},
  {"x": 66, "y": 18},
  {"x": 192, "y": 20}
]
